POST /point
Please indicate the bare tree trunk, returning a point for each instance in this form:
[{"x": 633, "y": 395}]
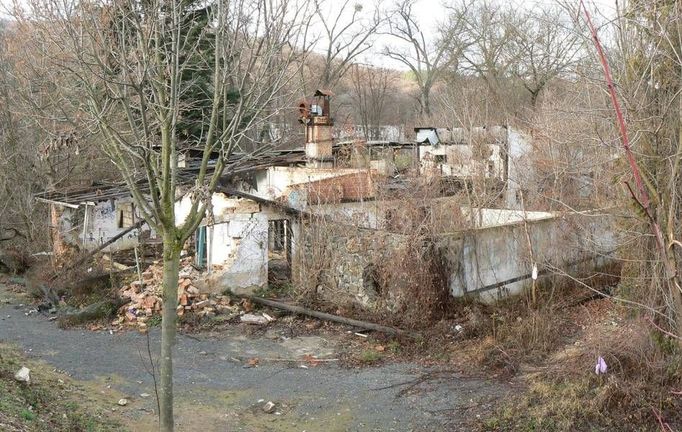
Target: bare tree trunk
[
  {"x": 171, "y": 268},
  {"x": 425, "y": 102},
  {"x": 139, "y": 94}
]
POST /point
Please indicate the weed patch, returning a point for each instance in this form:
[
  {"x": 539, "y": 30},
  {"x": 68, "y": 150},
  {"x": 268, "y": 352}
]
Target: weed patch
[{"x": 370, "y": 356}]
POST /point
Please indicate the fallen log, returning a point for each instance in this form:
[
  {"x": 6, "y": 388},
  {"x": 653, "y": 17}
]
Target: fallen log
[
  {"x": 95, "y": 311},
  {"x": 334, "y": 318}
]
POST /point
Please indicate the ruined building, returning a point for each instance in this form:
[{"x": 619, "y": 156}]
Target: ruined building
[{"x": 335, "y": 214}]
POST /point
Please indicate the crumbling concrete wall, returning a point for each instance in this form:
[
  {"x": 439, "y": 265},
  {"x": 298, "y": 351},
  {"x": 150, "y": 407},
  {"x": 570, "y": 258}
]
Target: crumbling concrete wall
[
  {"x": 373, "y": 214},
  {"x": 463, "y": 160},
  {"x": 488, "y": 217},
  {"x": 494, "y": 262},
  {"x": 520, "y": 172},
  {"x": 273, "y": 182},
  {"x": 237, "y": 243},
  {"x": 239, "y": 253},
  {"x": 89, "y": 226},
  {"x": 365, "y": 214},
  {"x": 499, "y": 152}
]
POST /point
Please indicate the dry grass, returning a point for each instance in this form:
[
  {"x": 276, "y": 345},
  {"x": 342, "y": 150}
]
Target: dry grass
[
  {"x": 565, "y": 394},
  {"x": 504, "y": 337},
  {"x": 79, "y": 286},
  {"x": 404, "y": 275}
]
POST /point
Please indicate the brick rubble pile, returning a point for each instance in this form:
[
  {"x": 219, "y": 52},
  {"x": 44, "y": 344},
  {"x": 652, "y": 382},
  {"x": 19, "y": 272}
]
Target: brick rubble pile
[{"x": 147, "y": 297}]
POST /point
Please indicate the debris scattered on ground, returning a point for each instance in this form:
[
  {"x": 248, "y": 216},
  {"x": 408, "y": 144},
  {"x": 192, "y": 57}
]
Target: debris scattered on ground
[
  {"x": 334, "y": 318},
  {"x": 146, "y": 298},
  {"x": 23, "y": 375},
  {"x": 113, "y": 265},
  {"x": 269, "y": 407},
  {"x": 123, "y": 402}
]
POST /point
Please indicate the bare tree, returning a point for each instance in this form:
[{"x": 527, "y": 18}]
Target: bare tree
[
  {"x": 135, "y": 64},
  {"x": 489, "y": 55},
  {"x": 546, "y": 46},
  {"x": 426, "y": 59},
  {"x": 648, "y": 74},
  {"x": 371, "y": 88},
  {"x": 348, "y": 31},
  {"x": 36, "y": 151},
  {"x": 517, "y": 54}
]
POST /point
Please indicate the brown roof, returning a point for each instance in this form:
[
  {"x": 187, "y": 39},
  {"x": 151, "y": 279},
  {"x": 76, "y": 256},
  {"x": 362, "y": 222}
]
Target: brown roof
[{"x": 323, "y": 92}]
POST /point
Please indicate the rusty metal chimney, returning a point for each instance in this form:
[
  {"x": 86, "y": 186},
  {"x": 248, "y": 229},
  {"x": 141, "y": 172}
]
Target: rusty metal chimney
[{"x": 316, "y": 116}]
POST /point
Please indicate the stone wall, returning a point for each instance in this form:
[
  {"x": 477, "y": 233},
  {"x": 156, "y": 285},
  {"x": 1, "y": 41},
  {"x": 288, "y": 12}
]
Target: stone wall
[
  {"x": 377, "y": 269},
  {"x": 340, "y": 263}
]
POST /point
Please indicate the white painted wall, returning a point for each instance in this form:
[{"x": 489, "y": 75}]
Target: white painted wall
[
  {"x": 273, "y": 182},
  {"x": 486, "y": 256},
  {"x": 371, "y": 214},
  {"x": 220, "y": 244},
  {"x": 520, "y": 170},
  {"x": 237, "y": 241},
  {"x": 367, "y": 214},
  {"x": 94, "y": 224},
  {"x": 240, "y": 248},
  {"x": 487, "y": 217}
]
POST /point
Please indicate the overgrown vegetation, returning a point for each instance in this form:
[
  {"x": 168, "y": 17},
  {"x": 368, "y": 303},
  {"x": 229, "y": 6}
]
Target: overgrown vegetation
[
  {"x": 551, "y": 352},
  {"x": 638, "y": 393},
  {"x": 489, "y": 63},
  {"x": 392, "y": 265},
  {"x": 368, "y": 357}
]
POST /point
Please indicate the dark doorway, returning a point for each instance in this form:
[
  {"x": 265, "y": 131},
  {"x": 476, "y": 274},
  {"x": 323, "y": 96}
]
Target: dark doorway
[{"x": 200, "y": 242}]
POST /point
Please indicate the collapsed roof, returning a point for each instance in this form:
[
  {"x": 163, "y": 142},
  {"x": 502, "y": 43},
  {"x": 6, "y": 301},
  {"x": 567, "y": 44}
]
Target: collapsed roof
[{"x": 238, "y": 163}]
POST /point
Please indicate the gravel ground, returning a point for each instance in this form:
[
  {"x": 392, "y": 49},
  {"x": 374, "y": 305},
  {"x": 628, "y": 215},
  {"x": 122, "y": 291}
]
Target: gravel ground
[{"x": 215, "y": 391}]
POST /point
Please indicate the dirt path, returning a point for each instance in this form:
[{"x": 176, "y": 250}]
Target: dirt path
[{"x": 216, "y": 392}]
